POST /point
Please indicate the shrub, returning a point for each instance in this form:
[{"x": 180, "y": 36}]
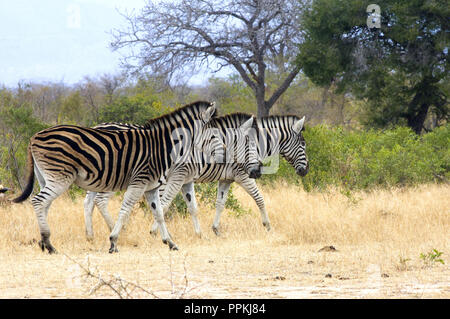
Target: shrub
[
  {"x": 365, "y": 159},
  {"x": 207, "y": 193}
]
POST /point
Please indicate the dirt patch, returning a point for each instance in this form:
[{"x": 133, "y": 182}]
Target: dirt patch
[{"x": 249, "y": 271}]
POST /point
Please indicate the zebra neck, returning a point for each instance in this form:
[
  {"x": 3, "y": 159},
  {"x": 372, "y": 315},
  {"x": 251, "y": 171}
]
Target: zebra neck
[{"x": 270, "y": 136}]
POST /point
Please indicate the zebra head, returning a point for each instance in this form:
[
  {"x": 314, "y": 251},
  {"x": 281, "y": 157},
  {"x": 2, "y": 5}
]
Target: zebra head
[{"x": 294, "y": 147}]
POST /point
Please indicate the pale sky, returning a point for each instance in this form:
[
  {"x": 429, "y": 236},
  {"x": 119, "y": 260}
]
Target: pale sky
[{"x": 59, "y": 40}]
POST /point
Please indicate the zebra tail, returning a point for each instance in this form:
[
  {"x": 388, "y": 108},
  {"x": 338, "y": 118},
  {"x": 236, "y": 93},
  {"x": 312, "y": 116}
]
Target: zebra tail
[{"x": 30, "y": 180}]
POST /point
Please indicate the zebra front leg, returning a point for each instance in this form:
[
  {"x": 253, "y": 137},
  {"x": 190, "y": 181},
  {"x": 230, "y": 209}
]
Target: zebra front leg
[
  {"x": 132, "y": 195},
  {"x": 168, "y": 192},
  {"x": 88, "y": 210},
  {"x": 188, "y": 192},
  {"x": 222, "y": 194},
  {"x": 155, "y": 204},
  {"x": 251, "y": 188}
]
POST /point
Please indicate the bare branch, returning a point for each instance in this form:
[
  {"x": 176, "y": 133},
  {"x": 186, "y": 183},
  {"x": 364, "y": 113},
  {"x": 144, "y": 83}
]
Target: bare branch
[
  {"x": 283, "y": 87},
  {"x": 242, "y": 34}
]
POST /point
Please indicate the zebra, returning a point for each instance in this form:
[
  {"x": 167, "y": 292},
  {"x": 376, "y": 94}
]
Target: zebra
[
  {"x": 238, "y": 144},
  {"x": 135, "y": 160},
  {"x": 276, "y": 134}
]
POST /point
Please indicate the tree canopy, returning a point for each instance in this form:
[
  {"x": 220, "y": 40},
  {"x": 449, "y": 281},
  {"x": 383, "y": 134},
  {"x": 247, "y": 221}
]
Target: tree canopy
[{"x": 399, "y": 65}]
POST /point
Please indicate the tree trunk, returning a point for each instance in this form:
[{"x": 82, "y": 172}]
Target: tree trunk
[
  {"x": 263, "y": 109},
  {"x": 416, "y": 120}
]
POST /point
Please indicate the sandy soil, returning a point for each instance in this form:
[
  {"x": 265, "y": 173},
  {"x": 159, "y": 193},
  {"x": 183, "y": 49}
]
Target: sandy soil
[{"x": 247, "y": 271}]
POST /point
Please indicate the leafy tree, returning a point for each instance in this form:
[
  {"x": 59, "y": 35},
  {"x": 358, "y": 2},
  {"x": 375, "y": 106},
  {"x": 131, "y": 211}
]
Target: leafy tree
[
  {"x": 72, "y": 109},
  {"x": 136, "y": 109},
  {"x": 17, "y": 125},
  {"x": 400, "y": 68},
  {"x": 231, "y": 95}
]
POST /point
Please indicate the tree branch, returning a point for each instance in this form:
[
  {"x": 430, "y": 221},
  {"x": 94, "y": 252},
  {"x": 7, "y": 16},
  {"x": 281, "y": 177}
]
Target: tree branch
[{"x": 283, "y": 87}]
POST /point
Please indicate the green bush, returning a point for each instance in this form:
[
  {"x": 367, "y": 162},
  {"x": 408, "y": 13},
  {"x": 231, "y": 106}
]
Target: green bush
[
  {"x": 207, "y": 193},
  {"x": 17, "y": 125},
  {"x": 365, "y": 159}
]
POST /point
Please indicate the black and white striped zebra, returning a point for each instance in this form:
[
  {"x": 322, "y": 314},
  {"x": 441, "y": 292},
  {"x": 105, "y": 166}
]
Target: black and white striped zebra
[
  {"x": 135, "y": 160},
  {"x": 276, "y": 135},
  {"x": 234, "y": 132}
]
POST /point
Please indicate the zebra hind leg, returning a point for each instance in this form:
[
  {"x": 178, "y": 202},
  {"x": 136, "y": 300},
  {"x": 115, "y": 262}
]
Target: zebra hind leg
[{"x": 41, "y": 204}]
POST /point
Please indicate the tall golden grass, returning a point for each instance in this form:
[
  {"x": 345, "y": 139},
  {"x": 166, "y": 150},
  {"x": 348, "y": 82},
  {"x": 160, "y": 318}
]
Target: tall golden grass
[
  {"x": 402, "y": 216},
  {"x": 398, "y": 216},
  {"x": 389, "y": 228}
]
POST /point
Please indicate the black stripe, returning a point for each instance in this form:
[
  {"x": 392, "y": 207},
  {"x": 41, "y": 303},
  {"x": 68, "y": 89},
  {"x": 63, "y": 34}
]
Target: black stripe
[{"x": 61, "y": 150}]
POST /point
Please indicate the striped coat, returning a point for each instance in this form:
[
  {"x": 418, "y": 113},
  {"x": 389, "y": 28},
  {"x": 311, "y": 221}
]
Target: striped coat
[
  {"x": 276, "y": 135},
  {"x": 136, "y": 160}
]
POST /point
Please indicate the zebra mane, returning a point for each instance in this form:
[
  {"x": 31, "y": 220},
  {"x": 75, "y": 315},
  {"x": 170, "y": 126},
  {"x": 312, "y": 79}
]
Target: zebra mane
[
  {"x": 286, "y": 116},
  {"x": 116, "y": 125},
  {"x": 194, "y": 107},
  {"x": 270, "y": 120},
  {"x": 237, "y": 117}
]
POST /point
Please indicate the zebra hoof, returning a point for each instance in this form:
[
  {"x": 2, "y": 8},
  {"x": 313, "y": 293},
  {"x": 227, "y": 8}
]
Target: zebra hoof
[
  {"x": 51, "y": 249},
  {"x": 171, "y": 244},
  {"x": 267, "y": 225},
  {"x": 42, "y": 245},
  {"x": 216, "y": 231},
  {"x": 113, "y": 248},
  {"x": 46, "y": 245}
]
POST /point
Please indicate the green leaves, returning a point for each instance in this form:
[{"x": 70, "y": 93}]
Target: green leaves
[
  {"x": 432, "y": 257},
  {"x": 397, "y": 68},
  {"x": 357, "y": 160},
  {"x": 17, "y": 125},
  {"x": 136, "y": 109},
  {"x": 207, "y": 193}
]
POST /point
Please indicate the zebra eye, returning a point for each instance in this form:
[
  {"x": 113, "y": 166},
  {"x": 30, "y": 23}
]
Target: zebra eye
[{"x": 303, "y": 143}]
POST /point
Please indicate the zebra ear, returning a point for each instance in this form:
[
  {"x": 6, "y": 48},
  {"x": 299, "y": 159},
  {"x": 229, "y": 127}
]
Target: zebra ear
[
  {"x": 247, "y": 125},
  {"x": 298, "y": 126},
  {"x": 209, "y": 112}
]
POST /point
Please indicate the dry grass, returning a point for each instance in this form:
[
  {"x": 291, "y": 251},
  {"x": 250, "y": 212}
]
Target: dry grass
[{"x": 378, "y": 237}]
